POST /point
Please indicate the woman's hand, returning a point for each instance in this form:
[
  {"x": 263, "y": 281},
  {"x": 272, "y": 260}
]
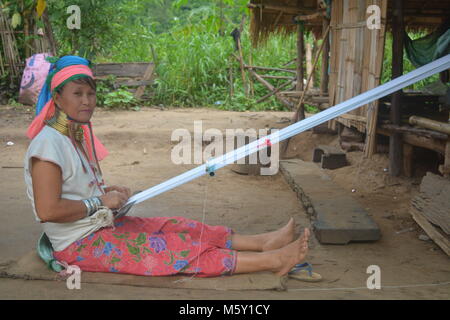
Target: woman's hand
[
  {"x": 120, "y": 189},
  {"x": 114, "y": 199}
]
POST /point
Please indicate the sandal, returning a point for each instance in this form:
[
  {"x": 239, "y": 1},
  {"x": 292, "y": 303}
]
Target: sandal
[{"x": 303, "y": 272}]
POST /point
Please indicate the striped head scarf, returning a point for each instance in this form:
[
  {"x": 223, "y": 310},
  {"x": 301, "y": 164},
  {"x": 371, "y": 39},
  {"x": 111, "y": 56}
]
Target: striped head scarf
[{"x": 62, "y": 71}]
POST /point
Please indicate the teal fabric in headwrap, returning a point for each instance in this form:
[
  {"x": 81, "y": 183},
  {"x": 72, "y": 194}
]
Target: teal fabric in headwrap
[{"x": 56, "y": 65}]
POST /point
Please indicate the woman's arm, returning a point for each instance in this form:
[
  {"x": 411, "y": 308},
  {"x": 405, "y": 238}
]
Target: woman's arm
[{"x": 50, "y": 207}]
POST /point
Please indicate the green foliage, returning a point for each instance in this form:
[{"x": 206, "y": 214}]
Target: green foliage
[
  {"x": 193, "y": 46},
  {"x": 112, "y": 98},
  {"x": 407, "y": 65},
  {"x": 119, "y": 99}
]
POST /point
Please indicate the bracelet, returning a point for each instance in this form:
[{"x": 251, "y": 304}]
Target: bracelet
[{"x": 92, "y": 205}]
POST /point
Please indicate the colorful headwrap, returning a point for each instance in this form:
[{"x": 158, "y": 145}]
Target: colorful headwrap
[{"x": 61, "y": 71}]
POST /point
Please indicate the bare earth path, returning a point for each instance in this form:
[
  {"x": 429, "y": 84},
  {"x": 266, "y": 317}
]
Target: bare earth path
[{"x": 140, "y": 149}]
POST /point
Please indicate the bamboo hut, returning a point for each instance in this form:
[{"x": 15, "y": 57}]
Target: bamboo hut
[{"x": 352, "y": 63}]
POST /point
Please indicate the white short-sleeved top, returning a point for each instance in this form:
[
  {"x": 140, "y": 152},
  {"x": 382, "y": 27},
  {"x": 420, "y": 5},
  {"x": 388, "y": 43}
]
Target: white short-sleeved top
[{"x": 50, "y": 145}]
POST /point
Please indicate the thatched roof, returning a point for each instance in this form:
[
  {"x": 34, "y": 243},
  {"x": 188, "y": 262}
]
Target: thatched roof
[{"x": 277, "y": 16}]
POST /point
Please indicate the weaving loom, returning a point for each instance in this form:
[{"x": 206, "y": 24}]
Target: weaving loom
[{"x": 214, "y": 164}]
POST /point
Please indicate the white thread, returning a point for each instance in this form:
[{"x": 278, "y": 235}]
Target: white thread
[{"x": 382, "y": 287}]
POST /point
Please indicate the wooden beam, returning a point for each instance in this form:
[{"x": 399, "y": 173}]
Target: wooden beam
[
  {"x": 418, "y": 141},
  {"x": 324, "y": 78},
  {"x": 275, "y": 91},
  {"x": 300, "y": 112},
  {"x": 417, "y": 131},
  {"x": 395, "y": 140},
  {"x": 268, "y": 76},
  {"x": 270, "y": 87},
  {"x": 430, "y": 124},
  {"x": 269, "y": 69},
  {"x": 309, "y": 17}
]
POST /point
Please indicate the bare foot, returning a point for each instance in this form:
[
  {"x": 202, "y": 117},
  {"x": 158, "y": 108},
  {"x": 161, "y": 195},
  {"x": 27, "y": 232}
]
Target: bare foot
[
  {"x": 292, "y": 254},
  {"x": 280, "y": 238}
]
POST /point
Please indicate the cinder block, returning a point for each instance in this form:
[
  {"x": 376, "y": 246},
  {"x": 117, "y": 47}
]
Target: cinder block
[{"x": 329, "y": 157}]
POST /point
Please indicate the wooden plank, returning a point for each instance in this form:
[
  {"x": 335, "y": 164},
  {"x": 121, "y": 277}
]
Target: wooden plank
[
  {"x": 430, "y": 230},
  {"x": 417, "y": 131},
  {"x": 355, "y": 117},
  {"x": 147, "y": 76},
  {"x": 433, "y": 201},
  {"x": 121, "y": 69},
  {"x": 418, "y": 141}
]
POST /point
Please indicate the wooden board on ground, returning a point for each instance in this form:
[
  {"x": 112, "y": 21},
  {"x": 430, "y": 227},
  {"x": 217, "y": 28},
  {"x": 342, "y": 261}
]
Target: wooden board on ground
[
  {"x": 433, "y": 232},
  {"x": 431, "y": 209},
  {"x": 337, "y": 217}
]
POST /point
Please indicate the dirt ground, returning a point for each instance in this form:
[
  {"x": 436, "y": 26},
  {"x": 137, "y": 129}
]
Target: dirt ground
[{"x": 140, "y": 148}]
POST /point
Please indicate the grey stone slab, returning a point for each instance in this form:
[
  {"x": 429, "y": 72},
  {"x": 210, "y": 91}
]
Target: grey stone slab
[{"x": 337, "y": 217}]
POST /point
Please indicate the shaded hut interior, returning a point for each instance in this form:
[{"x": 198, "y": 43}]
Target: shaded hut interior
[{"x": 412, "y": 126}]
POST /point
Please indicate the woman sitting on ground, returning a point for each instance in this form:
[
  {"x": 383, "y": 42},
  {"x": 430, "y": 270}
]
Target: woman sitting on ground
[{"x": 68, "y": 195}]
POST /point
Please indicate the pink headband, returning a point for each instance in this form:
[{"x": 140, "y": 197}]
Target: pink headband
[{"x": 49, "y": 109}]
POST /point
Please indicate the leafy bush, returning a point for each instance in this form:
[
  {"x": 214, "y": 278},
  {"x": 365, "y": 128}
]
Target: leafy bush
[{"x": 119, "y": 99}]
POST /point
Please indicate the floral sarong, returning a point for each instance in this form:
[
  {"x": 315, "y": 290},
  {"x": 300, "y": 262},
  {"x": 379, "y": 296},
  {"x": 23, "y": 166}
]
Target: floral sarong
[{"x": 157, "y": 246}]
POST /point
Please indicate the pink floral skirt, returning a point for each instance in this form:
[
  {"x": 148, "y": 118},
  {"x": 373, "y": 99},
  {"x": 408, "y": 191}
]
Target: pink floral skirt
[{"x": 154, "y": 247}]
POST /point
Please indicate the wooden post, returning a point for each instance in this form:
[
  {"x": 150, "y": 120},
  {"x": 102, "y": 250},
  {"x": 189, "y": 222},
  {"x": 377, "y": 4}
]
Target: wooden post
[
  {"x": 231, "y": 81},
  {"x": 408, "y": 154},
  {"x": 241, "y": 62},
  {"x": 309, "y": 58},
  {"x": 300, "y": 70},
  {"x": 395, "y": 140},
  {"x": 445, "y": 168},
  {"x": 250, "y": 81},
  {"x": 324, "y": 78},
  {"x": 49, "y": 33},
  {"x": 147, "y": 76}
]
